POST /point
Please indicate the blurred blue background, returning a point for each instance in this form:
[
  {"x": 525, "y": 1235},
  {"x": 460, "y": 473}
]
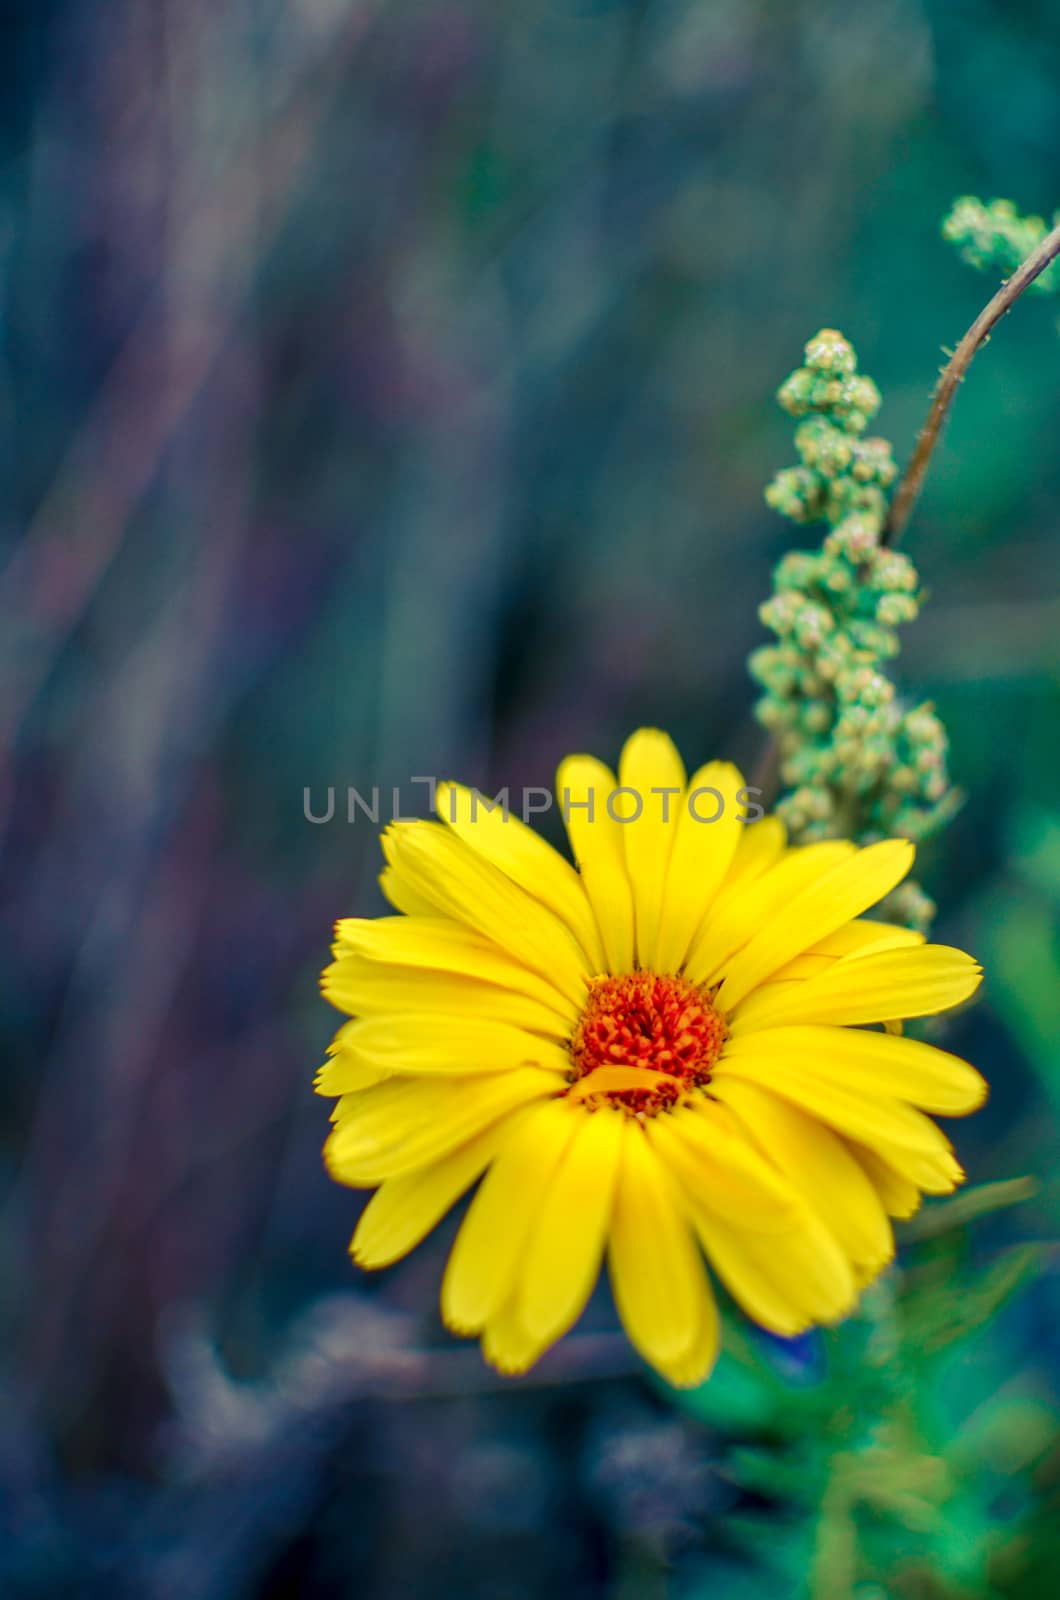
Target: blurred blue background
[{"x": 388, "y": 390}]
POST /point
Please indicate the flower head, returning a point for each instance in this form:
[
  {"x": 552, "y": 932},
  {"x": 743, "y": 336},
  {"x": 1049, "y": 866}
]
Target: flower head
[{"x": 667, "y": 1055}]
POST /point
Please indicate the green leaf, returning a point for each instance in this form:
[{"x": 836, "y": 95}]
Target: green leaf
[
  {"x": 969, "y": 1206},
  {"x": 938, "y": 1319}
]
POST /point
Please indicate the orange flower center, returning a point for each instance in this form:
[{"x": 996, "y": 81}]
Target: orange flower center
[{"x": 644, "y": 1040}]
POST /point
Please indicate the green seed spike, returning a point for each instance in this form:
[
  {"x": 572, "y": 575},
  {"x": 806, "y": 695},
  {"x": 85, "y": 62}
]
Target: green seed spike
[{"x": 854, "y": 761}]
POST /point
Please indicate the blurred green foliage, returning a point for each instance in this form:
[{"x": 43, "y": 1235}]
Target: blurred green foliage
[
  {"x": 912, "y": 1482},
  {"x": 996, "y": 237}
]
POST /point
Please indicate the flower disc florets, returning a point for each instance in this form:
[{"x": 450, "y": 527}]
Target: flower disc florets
[{"x": 650, "y": 1026}]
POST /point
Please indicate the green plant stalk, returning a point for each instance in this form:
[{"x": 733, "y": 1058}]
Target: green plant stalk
[{"x": 908, "y": 491}]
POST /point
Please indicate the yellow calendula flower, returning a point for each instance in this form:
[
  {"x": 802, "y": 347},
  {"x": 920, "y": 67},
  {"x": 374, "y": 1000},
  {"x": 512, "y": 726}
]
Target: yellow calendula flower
[{"x": 668, "y": 1056}]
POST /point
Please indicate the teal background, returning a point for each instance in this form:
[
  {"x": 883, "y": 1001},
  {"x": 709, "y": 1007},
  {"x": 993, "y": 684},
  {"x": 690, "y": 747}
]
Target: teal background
[{"x": 388, "y": 390}]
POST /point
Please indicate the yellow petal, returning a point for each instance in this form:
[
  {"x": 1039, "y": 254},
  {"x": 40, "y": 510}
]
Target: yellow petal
[
  {"x": 695, "y": 1364},
  {"x": 418, "y": 1042},
  {"x": 878, "y": 987},
  {"x": 702, "y": 854},
  {"x": 404, "y": 897},
  {"x": 345, "y": 1072},
  {"x": 506, "y": 1344},
  {"x": 875, "y": 1065},
  {"x": 609, "y": 1080},
  {"x": 863, "y": 936},
  {"x": 566, "y": 1244},
  {"x": 585, "y": 786},
  {"x": 819, "y": 1166},
  {"x": 857, "y": 938},
  {"x": 657, "y": 1275},
  {"x": 490, "y": 1246},
  {"x": 437, "y": 944},
  {"x": 934, "y": 1171},
  {"x": 898, "y": 1195},
  {"x": 650, "y": 768},
  {"x": 872, "y": 1119},
  {"x": 526, "y": 858},
  {"x": 761, "y": 846},
  {"x": 407, "y": 1122},
  {"x": 743, "y": 908},
  {"x": 364, "y": 1077},
  {"x": 708, "y": 1153},
  {"x": 404, "y": 1210},
  {"x": 468, "y": 888},
  {"x": 369, "y": 988},
  {"x": 785, "y": 1284},
  {"x": 838, "y": 895}
]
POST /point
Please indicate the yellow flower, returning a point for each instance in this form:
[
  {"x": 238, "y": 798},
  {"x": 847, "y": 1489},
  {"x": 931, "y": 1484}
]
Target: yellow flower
[{"x": 660, "y": 1056}]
